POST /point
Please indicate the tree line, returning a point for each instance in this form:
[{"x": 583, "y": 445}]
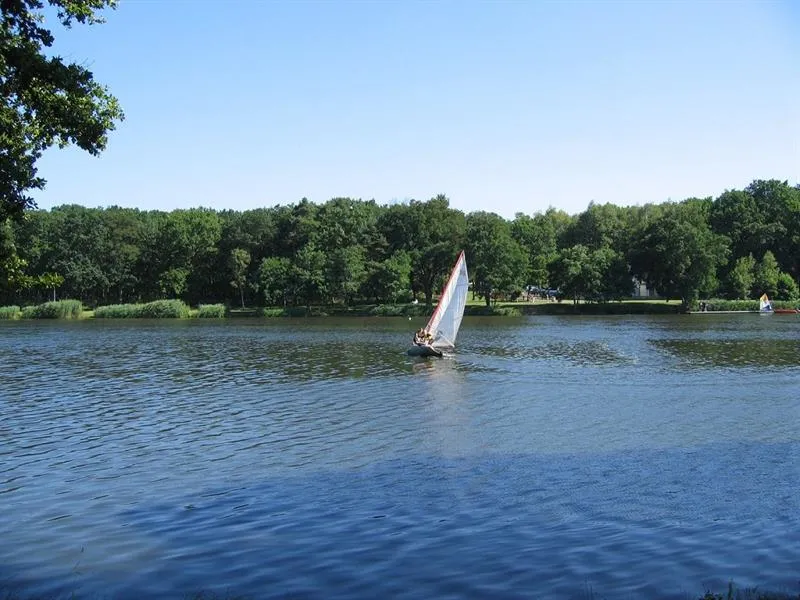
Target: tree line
[{"x": 347, "y": 251}]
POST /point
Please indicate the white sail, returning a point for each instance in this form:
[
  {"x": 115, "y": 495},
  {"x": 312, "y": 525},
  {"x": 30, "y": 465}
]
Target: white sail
[
  {"x": 765, "y": 305},
  {"x": 446, "y": 319}
]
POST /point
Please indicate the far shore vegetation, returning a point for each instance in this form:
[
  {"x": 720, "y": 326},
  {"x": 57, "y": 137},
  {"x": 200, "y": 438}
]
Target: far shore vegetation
[
  {"x": 176, "y": 309},
  {"x": 350, "y": 256}
]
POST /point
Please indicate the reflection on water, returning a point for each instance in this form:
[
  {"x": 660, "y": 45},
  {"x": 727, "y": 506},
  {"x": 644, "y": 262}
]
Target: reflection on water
[{"x": 643, "y": 457}]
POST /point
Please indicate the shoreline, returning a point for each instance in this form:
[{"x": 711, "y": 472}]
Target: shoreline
[{"x": 176, "y": 309}]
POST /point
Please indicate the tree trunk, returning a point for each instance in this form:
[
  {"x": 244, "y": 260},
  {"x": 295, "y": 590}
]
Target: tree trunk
[{"x": 429, "y": 297}]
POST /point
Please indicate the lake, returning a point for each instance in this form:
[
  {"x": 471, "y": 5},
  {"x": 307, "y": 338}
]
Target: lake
[{"x": 549, "y": 457}]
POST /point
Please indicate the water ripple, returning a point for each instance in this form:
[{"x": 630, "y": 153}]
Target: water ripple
[{"x": 548, "y": 457}]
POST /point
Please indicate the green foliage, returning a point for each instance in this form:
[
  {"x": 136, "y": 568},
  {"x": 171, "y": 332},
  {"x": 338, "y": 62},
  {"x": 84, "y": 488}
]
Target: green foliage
[
  {"x": 272, "y": 312},
  {"x": 211, "y": 311},
  {"x": 62, "y": 309},
  {"x": 12, "y": 268},
  {"x": 539, "y": 236},
  {"x": 493, "y": 311},
  {"x": 164, "y": 309},
  {"x": 158, "y": 309},
  {"x": 678, "y": 253},
  {"x": 173, "y": 281},
  {"x": 579, "y": 272},
  {"x": 10, "y": 312},
  {"x": 742, "y": 277},
  {"x": 787, "y": 288},
  {"x": 117, "y": 311},
  {"x": 400, "y": 310},
  {"x": 497, "y": 263},
  {"x": 388, "y": 280},
  {"x": 308, "y": 271},
  {"x": 345, "y": 272},
  {"x": 45, "y": 101},
  {"x": 275, "y": 280},
  {"x": 431, "y": 233},
  {"x": 238, "y": 263},
  {"x": 766, "y": 275},
  {"x": 345, "y": 252},
  {"x": 604, "y": 308},
  {"x": 721, "y": 304}
]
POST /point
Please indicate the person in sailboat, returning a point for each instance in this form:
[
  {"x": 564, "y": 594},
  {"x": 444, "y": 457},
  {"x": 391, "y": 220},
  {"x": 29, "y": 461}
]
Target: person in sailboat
[{"x": 422, "y": 337}]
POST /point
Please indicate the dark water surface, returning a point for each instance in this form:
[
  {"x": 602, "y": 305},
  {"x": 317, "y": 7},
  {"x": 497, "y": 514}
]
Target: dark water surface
[{"x": 618, "y": 457}]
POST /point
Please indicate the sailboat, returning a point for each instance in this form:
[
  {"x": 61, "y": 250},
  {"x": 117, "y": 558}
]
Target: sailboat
[
  {"x": 439, "y": 335},
  {"x": 767, "y": 308}
]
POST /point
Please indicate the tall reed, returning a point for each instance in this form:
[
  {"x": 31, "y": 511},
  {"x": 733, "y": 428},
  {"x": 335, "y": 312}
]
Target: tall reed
[
  {"x": 116, "y": 311},
  {"x": 10, "y": 312},
  {"x": 211, "y": 311},
  {"x": 60, "y": 309},
  {"x": 158, "y": 309},
  {"x": 165, "y": 309}
]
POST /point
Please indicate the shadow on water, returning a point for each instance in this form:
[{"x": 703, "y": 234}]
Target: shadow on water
[{"x": 500, "y": 527}]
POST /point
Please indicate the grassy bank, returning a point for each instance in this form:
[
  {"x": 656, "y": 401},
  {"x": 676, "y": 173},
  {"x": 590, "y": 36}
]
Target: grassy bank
[
  {"x": 177, "y": 309},
  {"x": 719, "y": 305},
  {"x": 626, "y": 307}
]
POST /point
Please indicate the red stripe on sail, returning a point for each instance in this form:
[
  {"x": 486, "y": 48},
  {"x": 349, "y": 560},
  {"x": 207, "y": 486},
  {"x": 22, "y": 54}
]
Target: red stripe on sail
[{"x": 453, "y": 274}]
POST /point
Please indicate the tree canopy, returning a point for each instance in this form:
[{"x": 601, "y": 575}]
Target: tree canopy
[
  {"x": 347, "y": 251},
  {"x": 45, "y": 101}
]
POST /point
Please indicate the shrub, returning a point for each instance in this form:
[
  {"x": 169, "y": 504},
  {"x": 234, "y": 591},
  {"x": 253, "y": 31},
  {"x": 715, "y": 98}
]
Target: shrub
[
  {"x": 117, "y": 311},
  {"x": 493, "y": 311},
  {"x": 272, "y": 312},
  {"x": 164, "y": 309},
  {"x": 61, "y": 309},
  {"x": 158, "y": 309},
  {"x": 400, "y": 310},
  {"x": 10, "y": 312},
  {"x": 211, "y": 311}
]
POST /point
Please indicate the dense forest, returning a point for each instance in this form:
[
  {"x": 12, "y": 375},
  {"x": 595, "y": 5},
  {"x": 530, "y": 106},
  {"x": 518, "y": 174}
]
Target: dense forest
[{"x": 346, "y": 251}]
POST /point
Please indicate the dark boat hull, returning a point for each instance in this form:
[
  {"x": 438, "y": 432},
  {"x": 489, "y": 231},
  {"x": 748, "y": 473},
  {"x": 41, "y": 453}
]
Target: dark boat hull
[{"x": 424, "y": 350}]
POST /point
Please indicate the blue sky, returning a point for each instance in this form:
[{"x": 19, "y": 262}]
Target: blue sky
[{"x": 505, "y": 106}]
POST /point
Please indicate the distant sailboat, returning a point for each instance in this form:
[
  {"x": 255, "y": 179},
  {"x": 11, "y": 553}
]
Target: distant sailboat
[
  {"x": 765, "y": 306},
  {"x": 439, "y": 335}
]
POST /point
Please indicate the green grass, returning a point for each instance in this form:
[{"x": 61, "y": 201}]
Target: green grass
[
  {"x": 10, "y": 312},
  {"x": 60, "y": 309}
]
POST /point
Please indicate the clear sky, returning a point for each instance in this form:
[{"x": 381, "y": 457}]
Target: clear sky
[{"x": 505, "y": 106}]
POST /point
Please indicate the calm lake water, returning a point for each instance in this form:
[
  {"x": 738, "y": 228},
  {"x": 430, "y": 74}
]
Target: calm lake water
[{"x": 602, "y": 457}]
